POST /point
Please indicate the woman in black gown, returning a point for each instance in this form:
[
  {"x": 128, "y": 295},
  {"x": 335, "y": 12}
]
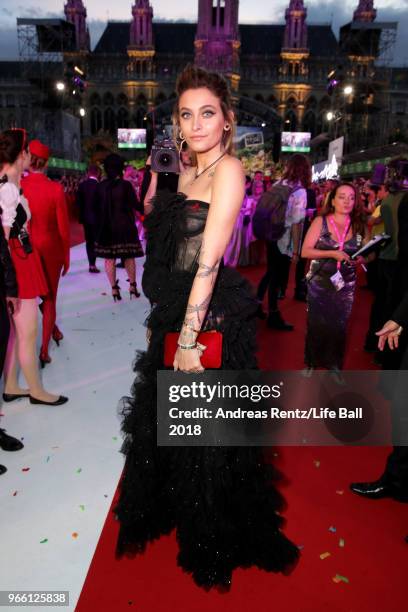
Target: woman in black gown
[
  {"x": 116, "y": 237},
  {"x": 331, "y": 240},
  {"x": 220, "y": 499}
]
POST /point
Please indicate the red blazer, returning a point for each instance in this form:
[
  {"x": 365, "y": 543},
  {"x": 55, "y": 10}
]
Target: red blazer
[{"x": 49, "y": 225}]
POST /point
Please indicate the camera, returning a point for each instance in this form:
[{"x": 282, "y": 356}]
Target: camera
[{"x": 165, "y": 157}]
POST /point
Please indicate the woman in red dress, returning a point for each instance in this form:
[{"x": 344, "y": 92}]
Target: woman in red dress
[
  {"x": 31, "y": 281},
  {"x": 49, "y": 231}
]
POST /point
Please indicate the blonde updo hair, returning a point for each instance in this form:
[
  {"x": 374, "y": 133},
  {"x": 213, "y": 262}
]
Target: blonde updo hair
[{"x": 193, "y": 77}]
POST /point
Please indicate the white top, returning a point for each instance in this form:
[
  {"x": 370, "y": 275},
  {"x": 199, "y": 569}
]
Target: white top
[
  {"x": 9, "y": 199},
  {"x": 295, "y": 213}
]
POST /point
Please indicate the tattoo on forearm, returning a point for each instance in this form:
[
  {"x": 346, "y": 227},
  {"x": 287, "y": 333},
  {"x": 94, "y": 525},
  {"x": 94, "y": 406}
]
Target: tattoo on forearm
[
  {"x": 204, "y": 270},
  {"x": 196, "y": 309}
]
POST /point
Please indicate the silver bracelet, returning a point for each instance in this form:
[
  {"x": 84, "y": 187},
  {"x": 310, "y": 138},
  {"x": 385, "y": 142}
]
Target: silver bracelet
[{"x": 187, "y": 347}]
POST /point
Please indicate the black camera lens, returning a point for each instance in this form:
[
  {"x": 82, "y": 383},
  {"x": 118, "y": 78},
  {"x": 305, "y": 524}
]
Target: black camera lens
[{"x": 165, "y": 159}]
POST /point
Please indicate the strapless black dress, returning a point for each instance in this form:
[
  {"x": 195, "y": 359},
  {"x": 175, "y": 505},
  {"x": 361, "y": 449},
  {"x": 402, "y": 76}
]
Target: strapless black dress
[{"x": 221, "y": 500}]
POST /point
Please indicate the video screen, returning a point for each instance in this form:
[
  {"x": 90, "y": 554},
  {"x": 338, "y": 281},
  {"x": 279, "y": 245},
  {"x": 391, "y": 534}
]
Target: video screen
[
  {"x": 295, "y": 142},
  {"x": 131, "y": 138}
]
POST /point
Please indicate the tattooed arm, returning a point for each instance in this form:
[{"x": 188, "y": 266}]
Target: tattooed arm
[{"x": 227, "y": 195}]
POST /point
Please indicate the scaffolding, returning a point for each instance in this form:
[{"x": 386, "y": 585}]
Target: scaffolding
[{"x": 41, "y": 46}]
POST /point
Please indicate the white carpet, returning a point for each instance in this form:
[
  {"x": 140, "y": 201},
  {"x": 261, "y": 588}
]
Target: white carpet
[{"x": 72, "y": 450}]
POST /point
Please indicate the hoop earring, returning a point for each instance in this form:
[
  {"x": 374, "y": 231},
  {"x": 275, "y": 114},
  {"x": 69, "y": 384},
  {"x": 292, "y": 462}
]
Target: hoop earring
[
  {"x": 227, "y": 127},
  {"x": 182, "y": 143}
]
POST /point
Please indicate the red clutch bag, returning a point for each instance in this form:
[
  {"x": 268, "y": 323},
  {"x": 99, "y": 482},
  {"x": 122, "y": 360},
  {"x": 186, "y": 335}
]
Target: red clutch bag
[{"x": 211, "y": 357}]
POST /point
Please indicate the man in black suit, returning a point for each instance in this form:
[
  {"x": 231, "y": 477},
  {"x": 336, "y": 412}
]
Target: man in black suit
[
  {"x": 394, "y": 481},
  {"x": 87, "y": 213},
  {"x": 9, "y": 302}
]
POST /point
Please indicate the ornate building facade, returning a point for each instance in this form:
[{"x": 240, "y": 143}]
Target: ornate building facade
[{"x": 278, "y": 73}]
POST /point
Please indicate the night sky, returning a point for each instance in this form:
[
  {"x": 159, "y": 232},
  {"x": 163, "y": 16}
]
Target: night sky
[{"x": 272, "y": 11}]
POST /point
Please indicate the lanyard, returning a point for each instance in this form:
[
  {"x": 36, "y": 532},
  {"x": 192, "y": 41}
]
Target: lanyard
[{"x": 340, "y": 239}]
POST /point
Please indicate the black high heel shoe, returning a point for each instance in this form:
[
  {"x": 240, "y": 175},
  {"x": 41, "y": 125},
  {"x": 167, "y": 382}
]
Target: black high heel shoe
[
  {"x": 116, "y": 292},
  {"x": 133, "y": 290}
]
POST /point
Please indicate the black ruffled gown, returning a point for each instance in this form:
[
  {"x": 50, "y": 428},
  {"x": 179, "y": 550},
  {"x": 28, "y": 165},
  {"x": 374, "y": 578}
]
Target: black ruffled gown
[{"x": 221, "y": 500}]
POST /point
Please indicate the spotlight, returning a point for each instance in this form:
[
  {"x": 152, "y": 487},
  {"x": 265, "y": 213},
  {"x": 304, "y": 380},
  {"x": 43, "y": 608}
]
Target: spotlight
[
  {"x": 330, "y": 116},
  {"x": 82, "y": 112},
  {"x": 348, "y": 90},
  {"x": 60, "y": 86},
  {"x": 263, "y": 124}
]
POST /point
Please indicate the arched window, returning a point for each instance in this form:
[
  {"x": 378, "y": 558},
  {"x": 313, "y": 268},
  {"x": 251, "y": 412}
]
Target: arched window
[
  {"x": 122, "y": 99},
  {"x": 160, "y": 98},
  {"x": 95, "y": 100},
  {"x": 109, "y": 121},
  {"x": 96, "y": 120},
  {"x": 108, "y": 99},
  {"x": 309, "y": 122},
  {"x": 139, "y": 117},
  {"x": 290, "y": 121},
  {"x": 123, "y": 118},
  {"x": 311, "y": 103}
]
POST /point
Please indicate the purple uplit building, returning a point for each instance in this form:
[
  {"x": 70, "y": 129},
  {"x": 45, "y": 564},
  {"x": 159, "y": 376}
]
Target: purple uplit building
[{"x": 278, "y": 73}]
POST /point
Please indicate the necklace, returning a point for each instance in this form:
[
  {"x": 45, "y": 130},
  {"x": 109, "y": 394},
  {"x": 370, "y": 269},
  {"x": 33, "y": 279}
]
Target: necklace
[{"x": 208, "y": 167}]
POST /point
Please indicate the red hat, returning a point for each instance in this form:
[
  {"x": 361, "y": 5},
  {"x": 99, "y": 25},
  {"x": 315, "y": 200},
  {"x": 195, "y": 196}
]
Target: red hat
[{"x": 39, "y": 149}]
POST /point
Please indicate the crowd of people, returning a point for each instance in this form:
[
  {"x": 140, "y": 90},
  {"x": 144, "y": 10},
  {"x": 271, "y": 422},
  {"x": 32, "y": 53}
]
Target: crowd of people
[{"x": 193, "y": 288}]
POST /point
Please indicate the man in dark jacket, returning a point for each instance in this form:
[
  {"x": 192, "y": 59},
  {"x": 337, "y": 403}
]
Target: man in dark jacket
[
  {"x": 394, "y": 481},
  {"x": 87, "y": 213},
  {"x": 8, "y": 301}
]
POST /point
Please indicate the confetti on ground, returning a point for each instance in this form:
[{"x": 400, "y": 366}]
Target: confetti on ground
[
  {"x": 79, "y": 471},
  {"x": 2, "y": 414},
  {"x": 82, "y": 507},
  {"x": 114, "y": 438},
  {"x": 44, "y": 541},
  {"x": 75, "y": 535},
  {"x": 55, "y": 446},
  {"x": 105, "y": 496},
  {"x": 338, "y": 578},
  {"x": 317, "y": 463},
  {"x": 340, "y": 492},
  {"x": 15, "y": 493},
  {"x": 25, "y": 470},
  {"x": 104, "y": 293},
  {"x": 341, "y": 543},
  {"x": 332, "y": 529},
  {"x": 48, "y": 458},
  {"x": 324, "y": 555}
]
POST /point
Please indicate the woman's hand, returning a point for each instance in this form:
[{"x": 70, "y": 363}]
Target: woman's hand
[
  {"x": 341, "y": 256},
  {"x": 390, "y": 332},
  {"x": 188, "y": 360},
  {"x": 148, "y": 335}
]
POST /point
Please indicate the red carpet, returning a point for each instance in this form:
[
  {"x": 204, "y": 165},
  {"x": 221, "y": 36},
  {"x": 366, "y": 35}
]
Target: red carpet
[{"x": 372, "y": 558}]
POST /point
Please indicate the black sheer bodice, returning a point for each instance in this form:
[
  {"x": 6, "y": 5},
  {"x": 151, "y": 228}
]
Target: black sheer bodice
[{"x": 220, "y": 500}]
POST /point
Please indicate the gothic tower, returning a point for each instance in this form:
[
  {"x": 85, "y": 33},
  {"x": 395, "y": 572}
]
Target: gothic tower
[
  {"x": 75, "y": 13},
  {"x": 217, "y": 40},
  {"x": 365, "y": 11},
  {"x": 141, "y": 46},
  {"x": 141, "y": 29},
  {"x": 294, "y": 69}
]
